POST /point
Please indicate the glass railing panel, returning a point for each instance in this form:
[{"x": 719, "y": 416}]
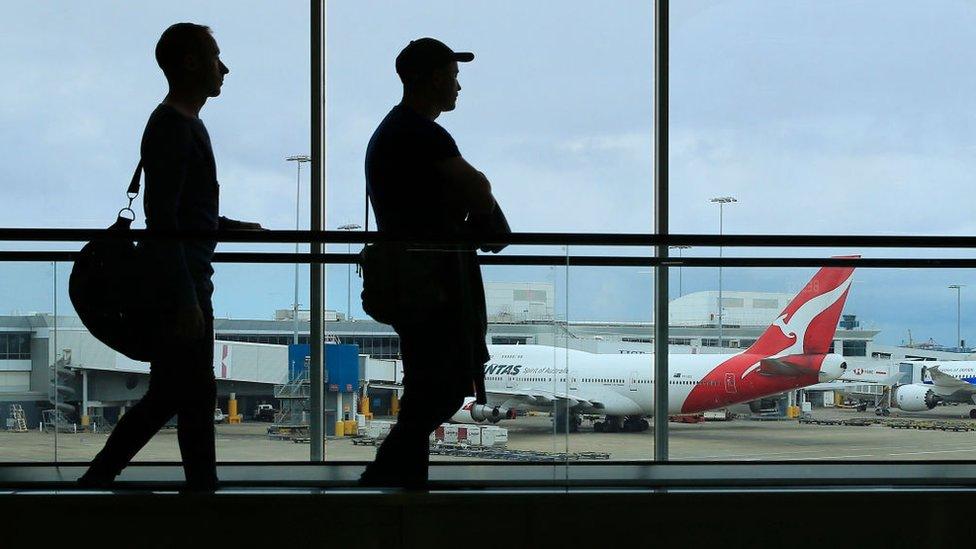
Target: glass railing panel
[
  {"x": 260, "y": 408},
  {"x": 833, "y": 363},
  {"x": 32, "y": 380},
  {"x": 610, "y": 348}
]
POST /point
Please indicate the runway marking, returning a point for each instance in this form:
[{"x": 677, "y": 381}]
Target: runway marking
[
  {"x": 726, "y": 456},
  {"x": 761, "y": 454},
  {"x": 935, "y": 452},
  {"x": 831, "y": 457}
]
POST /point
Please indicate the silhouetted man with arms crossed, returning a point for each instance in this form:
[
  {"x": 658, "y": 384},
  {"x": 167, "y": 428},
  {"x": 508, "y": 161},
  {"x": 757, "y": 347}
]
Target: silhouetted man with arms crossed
[
  {"x": 421, "y": 186},
  {"x": 181, "y": 194}
]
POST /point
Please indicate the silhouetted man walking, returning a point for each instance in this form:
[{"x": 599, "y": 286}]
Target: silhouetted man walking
[
  {"x": 421, "y": 186},
  {"x": 181, "y": 194}
]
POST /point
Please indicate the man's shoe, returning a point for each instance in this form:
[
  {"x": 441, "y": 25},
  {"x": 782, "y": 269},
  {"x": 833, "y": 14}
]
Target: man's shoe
[
  {"x": 90, "y": 481},
  {"x": 373, "y": 480},
  {"x": 198, "y": 488}
]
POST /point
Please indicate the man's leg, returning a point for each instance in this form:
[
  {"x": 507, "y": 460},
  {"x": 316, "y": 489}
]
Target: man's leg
[
  {"x": 195, "y": 430},
  {"x": 135, "y": 428},
  {"x": 430, "y": 397},
  {"x": 195, "y": 413}
]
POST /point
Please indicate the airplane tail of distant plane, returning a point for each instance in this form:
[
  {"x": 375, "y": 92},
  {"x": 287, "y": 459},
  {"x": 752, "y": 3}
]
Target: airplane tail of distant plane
[{"x": 807, "y": 325}]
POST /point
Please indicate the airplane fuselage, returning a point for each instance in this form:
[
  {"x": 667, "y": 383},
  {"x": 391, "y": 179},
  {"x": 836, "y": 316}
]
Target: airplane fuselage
[{"x": 623, "y": 384}]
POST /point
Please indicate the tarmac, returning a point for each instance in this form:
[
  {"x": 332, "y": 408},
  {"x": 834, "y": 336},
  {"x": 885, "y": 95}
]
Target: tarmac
[{"x": 737, "y": 440}]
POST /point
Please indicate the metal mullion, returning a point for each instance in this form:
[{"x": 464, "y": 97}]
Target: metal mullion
[
  {"x": 661, "y": 229},
  {"x": 318, "y": 10}
]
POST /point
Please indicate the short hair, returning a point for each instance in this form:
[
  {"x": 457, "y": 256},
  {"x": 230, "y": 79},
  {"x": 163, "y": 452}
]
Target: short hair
[{"x": 177, "y": 42}]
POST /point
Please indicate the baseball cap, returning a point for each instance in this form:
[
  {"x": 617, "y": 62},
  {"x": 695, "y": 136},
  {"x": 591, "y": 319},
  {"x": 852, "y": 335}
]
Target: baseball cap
[{"x": 423, "y": 55}]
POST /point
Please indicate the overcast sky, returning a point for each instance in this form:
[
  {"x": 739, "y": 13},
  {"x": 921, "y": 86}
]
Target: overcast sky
[{"x": 821, "y": 117}]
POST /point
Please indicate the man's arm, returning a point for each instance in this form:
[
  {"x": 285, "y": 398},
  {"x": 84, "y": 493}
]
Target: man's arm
[
  {"x": 227, "y": 224},
  {"x": 474, "y": 186},
  {"x": 490, "y": 225}
]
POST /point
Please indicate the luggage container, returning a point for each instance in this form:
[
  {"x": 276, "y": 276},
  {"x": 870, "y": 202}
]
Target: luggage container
[
  {"x": 472, "y": 435},
  {"x": 378, "y": 429},
  {"x": 450, "y": 434},
  {"x": 492, "y": 435}
]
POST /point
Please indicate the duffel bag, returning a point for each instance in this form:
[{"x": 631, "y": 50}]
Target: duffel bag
[{"x": 106, "y": 288}]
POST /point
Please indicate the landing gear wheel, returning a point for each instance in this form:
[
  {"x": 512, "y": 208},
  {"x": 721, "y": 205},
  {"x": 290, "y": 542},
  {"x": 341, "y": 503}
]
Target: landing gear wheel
[
  {"x": 634, "y": 425},
  {"x": 598, "y": 427},
  {"x": 644, "y": 425},
  {"x": 972, "y": 414}
]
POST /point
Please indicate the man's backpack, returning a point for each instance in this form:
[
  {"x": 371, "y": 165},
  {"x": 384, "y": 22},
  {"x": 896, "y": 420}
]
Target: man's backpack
[{"x": 105, "y": 288}]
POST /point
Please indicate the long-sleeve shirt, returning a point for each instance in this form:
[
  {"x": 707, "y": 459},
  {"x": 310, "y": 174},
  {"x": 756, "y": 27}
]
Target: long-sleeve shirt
[{"x": 181, "y": 193}]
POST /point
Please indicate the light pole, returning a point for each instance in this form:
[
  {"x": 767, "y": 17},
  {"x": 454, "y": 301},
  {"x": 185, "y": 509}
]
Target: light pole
[
  {"x": 298, "y": 159},
  {"x": 349, "y": 227},
  {"x": 958, "y": 288},
  {"x": 679, "y": 247},
  {"x": 721, "y": 201}
]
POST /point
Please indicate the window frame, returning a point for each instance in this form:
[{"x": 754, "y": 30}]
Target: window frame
[{"x": 658, "y": 472}]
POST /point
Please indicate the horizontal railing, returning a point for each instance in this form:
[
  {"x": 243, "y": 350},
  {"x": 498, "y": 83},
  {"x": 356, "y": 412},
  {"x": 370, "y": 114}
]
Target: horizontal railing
[
  {"x": 649, "y": 241},
  {"x": 523, "y": 238},
  {"x": 559, "y": 260}
]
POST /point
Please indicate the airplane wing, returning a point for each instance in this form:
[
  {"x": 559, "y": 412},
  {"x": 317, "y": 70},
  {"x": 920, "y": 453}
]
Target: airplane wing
[
  {"x": 941, "y": 379},
  {"x": 541, "y": 398},
  {"x": 386, "y": 385},
  {"x": 531, "y": 398}
]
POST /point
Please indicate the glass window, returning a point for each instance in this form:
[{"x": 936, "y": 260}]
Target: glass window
[
  {"x": 853, "y": 347},
  {"x": 590, "y": 144},
  {"x": 806, "y": 86},
  {"x": 86, "y": 115},
  {"x": 508, "y": 340}
]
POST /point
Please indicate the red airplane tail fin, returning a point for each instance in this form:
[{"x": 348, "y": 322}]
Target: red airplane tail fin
[{"x": 807, "y": 325}]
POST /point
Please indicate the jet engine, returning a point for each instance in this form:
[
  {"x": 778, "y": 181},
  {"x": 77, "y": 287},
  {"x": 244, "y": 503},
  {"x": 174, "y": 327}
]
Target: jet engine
[
  {"x": 915, "y": 398},
  {"x": 832, "y": 367},
  {"x": 473, "y": 412}
]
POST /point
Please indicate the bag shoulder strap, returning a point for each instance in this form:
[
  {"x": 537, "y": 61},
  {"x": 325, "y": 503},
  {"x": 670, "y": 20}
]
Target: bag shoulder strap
[
  {"x": 367, "y": 207},
  {"x": 131, "y": 193},
  {"x": 133, "y": 190}
]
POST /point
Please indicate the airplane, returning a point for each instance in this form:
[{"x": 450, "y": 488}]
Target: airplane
[
  {"x": 950, "y": 381},
  {"x": 792, "y": 353}
]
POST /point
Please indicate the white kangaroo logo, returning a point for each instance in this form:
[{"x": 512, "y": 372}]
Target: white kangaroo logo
[{"x": 796, "y": 327}]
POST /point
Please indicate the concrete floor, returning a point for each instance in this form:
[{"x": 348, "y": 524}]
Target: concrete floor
[{"x": 741, "y": 439}]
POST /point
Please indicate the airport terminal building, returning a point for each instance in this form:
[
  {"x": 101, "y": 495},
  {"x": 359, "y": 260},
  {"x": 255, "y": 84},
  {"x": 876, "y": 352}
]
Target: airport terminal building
[{"x": 251, "y": 355}]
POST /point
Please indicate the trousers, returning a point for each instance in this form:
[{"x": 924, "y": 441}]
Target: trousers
[
  {"x": 181, "y": 383},
  {"x": 434, "y": 386}
]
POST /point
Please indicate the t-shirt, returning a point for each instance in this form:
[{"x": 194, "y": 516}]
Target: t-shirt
[
  {"x": 410, "y": 198},
  {"x": 408, "y": 195},
  {"x": 181, "y": 193}
]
